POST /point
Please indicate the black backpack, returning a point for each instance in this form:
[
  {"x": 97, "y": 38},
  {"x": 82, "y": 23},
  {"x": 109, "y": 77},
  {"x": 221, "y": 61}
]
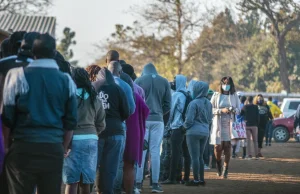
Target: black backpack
[{"x": 189, "y": 99}]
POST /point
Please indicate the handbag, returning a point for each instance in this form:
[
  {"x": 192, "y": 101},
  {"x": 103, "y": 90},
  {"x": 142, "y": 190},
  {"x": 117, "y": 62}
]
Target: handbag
[{"x": 238, "y": 130}]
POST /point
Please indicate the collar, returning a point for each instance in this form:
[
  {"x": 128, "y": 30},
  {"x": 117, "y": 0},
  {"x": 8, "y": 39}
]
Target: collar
[{"x": 44, "y": 63}]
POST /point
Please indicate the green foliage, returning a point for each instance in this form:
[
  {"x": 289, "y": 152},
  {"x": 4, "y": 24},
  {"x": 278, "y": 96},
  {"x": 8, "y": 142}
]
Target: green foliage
[{"x": 66, "y": 43}]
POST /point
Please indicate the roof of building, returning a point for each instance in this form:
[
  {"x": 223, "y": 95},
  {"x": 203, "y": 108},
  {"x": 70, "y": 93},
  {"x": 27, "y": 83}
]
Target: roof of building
[{"x": 14, "y": 22}]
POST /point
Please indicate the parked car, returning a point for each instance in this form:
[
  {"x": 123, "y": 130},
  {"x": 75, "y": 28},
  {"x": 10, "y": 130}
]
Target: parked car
[
  {"x": 289, "y": 106},
  {"x": 283, "y": 128}
]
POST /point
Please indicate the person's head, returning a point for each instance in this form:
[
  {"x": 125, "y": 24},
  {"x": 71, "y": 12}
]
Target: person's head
[
  {"x": 210, "y": 94},
  {"x": 249, "y": 99},
  {"x": 93, "y": 71},
  {"x": 179, "y": 83},
  {"x": 129, "y": 70},
  {"x": 122, "y": 62},
  {"x": 243, "y": 99},
  {"x": 226, "y": 86},
  {"x": 44, "y": 47},
  {"x": 112, "y": 55},
  {"x": 270, "y": 98},
  {"x": 200, "y": 89},
  {"x": 82, "y": 81},
  {"x": 15, "y": 40},
  {"x": 259, "y": 100},
  {"x": 27, "y": 42},
  {"x": 115, "y": 68},
  {"x": 5, "y": 48},
  {"x": 275, "y": 102}
]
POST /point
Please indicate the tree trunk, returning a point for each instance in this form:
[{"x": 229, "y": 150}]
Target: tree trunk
[
  {"x": 283, "y": 64},
  {"x": 179, "y": 36}
]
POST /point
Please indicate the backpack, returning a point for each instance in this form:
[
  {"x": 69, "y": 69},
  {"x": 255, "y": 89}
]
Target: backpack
[{"x": 188, "y": 99}]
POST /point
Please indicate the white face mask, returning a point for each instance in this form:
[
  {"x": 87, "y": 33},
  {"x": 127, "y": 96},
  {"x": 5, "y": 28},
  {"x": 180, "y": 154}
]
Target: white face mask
[{"x": 226, "y": 88}]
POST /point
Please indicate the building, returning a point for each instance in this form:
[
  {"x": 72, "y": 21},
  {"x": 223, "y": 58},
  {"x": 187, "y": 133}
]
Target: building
[{"x": 15, "y": 22}]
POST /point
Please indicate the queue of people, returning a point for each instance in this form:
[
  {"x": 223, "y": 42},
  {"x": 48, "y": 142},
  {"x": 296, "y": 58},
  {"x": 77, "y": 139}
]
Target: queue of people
[{"x": 93, "y": 128}]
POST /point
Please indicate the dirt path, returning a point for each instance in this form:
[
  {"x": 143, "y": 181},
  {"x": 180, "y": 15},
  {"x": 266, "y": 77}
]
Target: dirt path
[{"x": 278, "y": 172}]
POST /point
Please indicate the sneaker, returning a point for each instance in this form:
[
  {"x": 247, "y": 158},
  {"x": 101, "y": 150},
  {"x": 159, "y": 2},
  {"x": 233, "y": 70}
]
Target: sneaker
[
  {"x": 260, "y": 155},
  {"x": 257, "y": 157},
  {"x": 139, "y": 187},
  {"x": 206, "y": 167},
  {"x": 269, "y": 144},
  {"x": 169, "y": 182},
  {"x": 183, "y": 182},
  {"x": 192, "y": 183},
  {"x": 136, "y": 191},
  {"x": 244, "y": 156},
  {"x": 156, "y": 188}
]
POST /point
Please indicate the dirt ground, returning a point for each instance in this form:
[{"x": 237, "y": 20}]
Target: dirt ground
[{"x": 278, "y": 172}]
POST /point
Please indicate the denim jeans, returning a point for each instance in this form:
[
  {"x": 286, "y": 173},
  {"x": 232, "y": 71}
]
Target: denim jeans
[
  {"x": 206, "y": 154},
  {"x": 269, "y": 132},
  {"x": 196, "y": 145},
  {"x": 154, "y": 134},
  {"x": 119, "y": 178},
  {"x": 109, "y": 150}
]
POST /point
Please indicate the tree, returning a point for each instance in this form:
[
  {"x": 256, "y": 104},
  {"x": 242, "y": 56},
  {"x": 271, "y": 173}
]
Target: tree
[
  {"x": 177, "y": 19},
  {"x": 24, "y": 6},
  {"x": 284, "y": 15},
  {"x": 64, "y": 46}
]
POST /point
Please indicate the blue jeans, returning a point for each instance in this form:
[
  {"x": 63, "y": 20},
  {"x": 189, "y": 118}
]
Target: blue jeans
[
  {"x": 109, "y": 150},
  {"x": 269, "y": 132},
  {"x": 196, "y": 145},
  {"x": 119, "y": 178}
]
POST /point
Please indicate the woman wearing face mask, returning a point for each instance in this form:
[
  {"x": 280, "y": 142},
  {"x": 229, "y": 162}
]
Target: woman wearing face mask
[
  {"x": 226, "y": 105},
  {"x": 265, "y": 115}
]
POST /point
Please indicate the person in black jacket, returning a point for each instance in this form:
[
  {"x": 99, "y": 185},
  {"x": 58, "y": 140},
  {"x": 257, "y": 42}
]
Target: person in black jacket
[
  {"x": 251, "y": 115},
  {"x": 112, "y": 138},
  {"x": 265, "y": 117}
]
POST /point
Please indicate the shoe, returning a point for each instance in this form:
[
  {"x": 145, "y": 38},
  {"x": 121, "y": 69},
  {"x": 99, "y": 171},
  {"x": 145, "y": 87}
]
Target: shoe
[
  {"x": 249, "y": 157},
  {"x": 233, "y": 156},
  {"x": 202, "y": 183},
  {"x": 169, "y": 182},
  {"x": 269, "y": 144},
  {"x": 257, "y": 157},
  {"x": 206, "y": 167},
  {"x": 225, "y": 173},
  {"x": 219, "y": 168},
  {"x": 136, "y": 191},
  {"x": 260, "y": 155},
  {"x": 156, "y": 188},
  {"x": 184, "y": 181},
  {"x": 192, "y": 183},
  {"x": 139, "y": 186}
]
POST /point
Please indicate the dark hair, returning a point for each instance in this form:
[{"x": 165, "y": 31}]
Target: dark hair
[
  {"x": 256, "y": 99},
  {"x": 44, "y": 47},
  {"x": 93, "y": 71},
  {"x": 250, "y": 99},
  {"x": 270, "y": 98},
  {"x": 28, "y": 40},
  {"x": 112, "y": 55},
  {"x": 15, "y": 42},
  {"x": 243, "y": 99},
  {"x": 129, "y": 70},
  {"x": 230, "y": 81},
  {"x": 81, "y": 79},
  {"x": 122, "y": 62},
  {"x": 5, "y": 48},
  {"x": 64, "y": 66}
]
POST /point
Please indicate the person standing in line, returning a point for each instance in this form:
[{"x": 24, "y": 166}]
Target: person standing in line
[
  {"x": 198, "y": 119},
  {"x": 276, "y": 112},
  {"x": 177, "y": 117},
  {"x": 226, "y": 105},
  {"x": 93, "y": 71},
  {"x": 158, "y": 99},
  {"x": 41, "y": 120},
  {"x": 243, "y": 100},
  {"x": 208, "y": 147},
  {"x": 265, "y": 117},
  {"x": 112, "y": 138},
  {"x": 251, "y": 115},
  {"x": 80, "y": 166}
]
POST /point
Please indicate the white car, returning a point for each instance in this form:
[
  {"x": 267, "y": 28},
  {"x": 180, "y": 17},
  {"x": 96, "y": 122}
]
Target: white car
[{"x": 289, "y": 106}]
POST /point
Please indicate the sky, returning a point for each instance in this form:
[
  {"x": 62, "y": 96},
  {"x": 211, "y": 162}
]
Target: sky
[{"x": 92, "y": 20}]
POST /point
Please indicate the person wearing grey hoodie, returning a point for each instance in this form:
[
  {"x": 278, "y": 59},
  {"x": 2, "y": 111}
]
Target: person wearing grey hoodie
[
  {"x": 158, "y": 99},
  {"x": 198, "y": 119},
  {"x": 176, "y": 125}
]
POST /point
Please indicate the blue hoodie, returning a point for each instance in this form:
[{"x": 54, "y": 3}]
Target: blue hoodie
[
  {"x": 178, "y": 103},
  {"x": 199, "y": 112}
]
